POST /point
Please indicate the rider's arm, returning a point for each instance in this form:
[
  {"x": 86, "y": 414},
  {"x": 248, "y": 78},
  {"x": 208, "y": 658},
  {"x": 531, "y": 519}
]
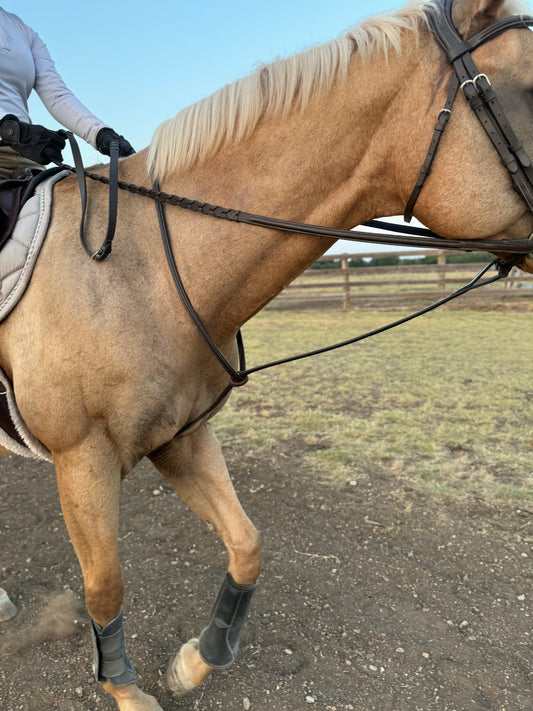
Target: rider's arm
[{"x": 57, "y": 97}]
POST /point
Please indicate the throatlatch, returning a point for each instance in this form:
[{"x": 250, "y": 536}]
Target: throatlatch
[
  {"x": 219, "y": 641},
  {"x": 111, "y": 662}
]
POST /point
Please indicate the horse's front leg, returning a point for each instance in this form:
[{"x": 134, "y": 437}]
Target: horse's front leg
[
  {"x": 89, "y": 482},
  {"x": 195, "y": 467}
]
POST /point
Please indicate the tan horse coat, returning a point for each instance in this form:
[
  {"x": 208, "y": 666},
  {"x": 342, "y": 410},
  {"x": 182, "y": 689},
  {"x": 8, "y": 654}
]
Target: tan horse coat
[{"x": 106, "y": 365}]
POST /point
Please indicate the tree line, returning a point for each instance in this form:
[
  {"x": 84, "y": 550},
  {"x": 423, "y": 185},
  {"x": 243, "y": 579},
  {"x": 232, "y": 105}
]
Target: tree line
[{"x": 392, "y": 261}]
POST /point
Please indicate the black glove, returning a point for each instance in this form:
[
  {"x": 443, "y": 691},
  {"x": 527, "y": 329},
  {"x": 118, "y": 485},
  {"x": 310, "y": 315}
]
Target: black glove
[
  {"x": 104, "y": 138},
  {"x": 31, "y": 140}
]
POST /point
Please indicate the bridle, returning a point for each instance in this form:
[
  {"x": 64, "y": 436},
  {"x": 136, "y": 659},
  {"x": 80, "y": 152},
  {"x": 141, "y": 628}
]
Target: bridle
[
  {"x": 478, "y": 92},
  {"x": 476, "y": 89}
]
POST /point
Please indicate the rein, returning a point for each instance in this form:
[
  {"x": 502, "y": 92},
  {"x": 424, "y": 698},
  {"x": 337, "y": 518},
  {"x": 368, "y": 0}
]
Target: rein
[
  {"x": 414, "y": 236},
  {"x": 105, "y": 249},
  {"x": 240, "y": 376}
]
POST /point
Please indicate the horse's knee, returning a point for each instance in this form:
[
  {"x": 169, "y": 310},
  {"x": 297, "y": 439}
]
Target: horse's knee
[
  {"x": 245, "y": 557},
  {"x": 103, "y": 598}
]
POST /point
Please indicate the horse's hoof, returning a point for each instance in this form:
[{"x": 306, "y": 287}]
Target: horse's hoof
[
  {"x": 131, "y": 698},
  {"x": 178, "y": 679},
  {"x": 7, "y": 609},
  {"x": 186, "y": 670}
]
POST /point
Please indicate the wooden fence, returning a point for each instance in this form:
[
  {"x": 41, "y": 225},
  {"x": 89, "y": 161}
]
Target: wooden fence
[{"x": 395, "y": 286}]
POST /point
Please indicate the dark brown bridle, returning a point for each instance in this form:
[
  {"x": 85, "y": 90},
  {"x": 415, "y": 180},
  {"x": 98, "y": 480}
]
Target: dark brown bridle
[{"x": 478, "y": 92}]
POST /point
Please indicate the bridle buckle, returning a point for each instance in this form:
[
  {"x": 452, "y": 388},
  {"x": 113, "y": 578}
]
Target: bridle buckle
[
  {"x": 481, "y": 76},
  {"x": 474, "y": 82}
]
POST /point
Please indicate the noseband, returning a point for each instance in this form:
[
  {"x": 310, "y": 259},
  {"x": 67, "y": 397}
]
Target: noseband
[{"x": 478, "y": 92}]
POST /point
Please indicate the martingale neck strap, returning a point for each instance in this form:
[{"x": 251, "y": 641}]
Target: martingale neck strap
[{"x": 237, "y": 377}]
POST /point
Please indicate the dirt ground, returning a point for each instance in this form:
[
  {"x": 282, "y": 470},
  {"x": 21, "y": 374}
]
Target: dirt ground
[{"x": 374, "y": 596}]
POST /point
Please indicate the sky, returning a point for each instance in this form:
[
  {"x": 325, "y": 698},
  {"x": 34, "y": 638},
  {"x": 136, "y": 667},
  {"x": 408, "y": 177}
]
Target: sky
[{"x": 135, "y": 64}]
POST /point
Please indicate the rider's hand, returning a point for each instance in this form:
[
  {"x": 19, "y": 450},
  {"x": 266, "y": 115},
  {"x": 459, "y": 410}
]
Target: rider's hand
[
  {"x": 32, "y": 141},
  {"x": 104, "y": 138}
]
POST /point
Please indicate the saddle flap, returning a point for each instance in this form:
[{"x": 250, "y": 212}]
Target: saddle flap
[{"x": 10, "y": 203}]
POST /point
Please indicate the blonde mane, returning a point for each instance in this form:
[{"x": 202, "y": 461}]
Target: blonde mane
[{"x": 233, "y": 112}]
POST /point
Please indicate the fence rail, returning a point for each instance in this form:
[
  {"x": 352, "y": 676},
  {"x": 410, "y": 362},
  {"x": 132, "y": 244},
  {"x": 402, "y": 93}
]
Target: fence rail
[{"x": 397, "y": 285}]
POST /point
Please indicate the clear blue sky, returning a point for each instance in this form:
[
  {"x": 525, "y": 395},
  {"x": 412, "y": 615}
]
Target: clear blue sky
[{"x": 135, "y": 64}]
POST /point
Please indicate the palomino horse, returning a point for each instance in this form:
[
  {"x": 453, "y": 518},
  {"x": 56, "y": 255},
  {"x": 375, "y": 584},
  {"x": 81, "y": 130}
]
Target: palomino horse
[{"x": 106, "y": 364}]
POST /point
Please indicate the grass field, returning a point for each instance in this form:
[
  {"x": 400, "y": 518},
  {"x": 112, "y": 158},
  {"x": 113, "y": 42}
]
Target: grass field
[{"x": 444, "y": 402}]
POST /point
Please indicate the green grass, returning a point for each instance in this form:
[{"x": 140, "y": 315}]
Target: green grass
[{"x": 443, "y": 402}]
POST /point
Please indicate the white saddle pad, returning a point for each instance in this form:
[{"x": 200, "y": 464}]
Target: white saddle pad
[
  {"x": 19, "y": 254},
  {"x": 17, "y": 261}
]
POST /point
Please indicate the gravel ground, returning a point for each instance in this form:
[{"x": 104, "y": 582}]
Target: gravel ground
[{"x": 374, "y": 596}]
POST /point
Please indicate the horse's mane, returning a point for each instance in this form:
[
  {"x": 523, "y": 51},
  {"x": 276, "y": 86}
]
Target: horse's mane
[{"x": 233, "y": 112}]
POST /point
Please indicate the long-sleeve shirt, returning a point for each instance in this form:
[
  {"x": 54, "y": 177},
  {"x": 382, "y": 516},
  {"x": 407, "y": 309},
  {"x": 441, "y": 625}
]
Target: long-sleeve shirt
[{"x": 26, "y": 64}]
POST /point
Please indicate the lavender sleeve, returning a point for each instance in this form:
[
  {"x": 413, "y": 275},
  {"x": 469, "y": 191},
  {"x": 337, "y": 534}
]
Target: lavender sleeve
[{"x": 57, "y": 97}]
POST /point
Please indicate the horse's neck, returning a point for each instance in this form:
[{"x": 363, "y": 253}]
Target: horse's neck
[{"x": 324, "y": 165}]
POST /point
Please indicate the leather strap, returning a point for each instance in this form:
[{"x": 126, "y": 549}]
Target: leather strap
[
  {"x": 425, "y": 170},
  {"x": 415, "y": 236},
  {"x": 483, "y": 101},
  {"x": 237, "y": 377},
  {"x": 106, "y": 246},
  {"x": 503, "y": 267}
]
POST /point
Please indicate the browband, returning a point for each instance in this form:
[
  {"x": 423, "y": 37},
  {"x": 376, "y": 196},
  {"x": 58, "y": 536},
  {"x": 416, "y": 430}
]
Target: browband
[{"x": 440, "y": 20}]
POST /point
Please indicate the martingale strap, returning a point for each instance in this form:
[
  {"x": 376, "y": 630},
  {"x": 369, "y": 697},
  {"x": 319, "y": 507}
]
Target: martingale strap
[
  {"x": 478, "y": 92},
  {"x": 237, "y": 377}
]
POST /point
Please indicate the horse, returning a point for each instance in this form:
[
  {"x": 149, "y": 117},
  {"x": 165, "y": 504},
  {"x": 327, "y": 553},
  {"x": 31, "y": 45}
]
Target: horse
[{"x": 106, "y": 363}]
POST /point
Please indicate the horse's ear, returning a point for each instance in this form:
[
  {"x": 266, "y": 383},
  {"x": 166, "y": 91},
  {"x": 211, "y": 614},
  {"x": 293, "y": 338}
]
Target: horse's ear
[{"x": 472, "y": 16}]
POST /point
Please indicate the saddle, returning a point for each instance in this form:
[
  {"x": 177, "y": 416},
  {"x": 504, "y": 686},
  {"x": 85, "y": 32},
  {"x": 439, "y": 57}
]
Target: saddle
[{"x": 14, "y": 194}]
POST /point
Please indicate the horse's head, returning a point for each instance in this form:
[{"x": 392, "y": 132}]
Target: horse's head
[{"x": 471, "y": 192}]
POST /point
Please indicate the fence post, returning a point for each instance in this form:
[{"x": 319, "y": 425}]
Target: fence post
[
  {"x": 441, "y": 262},
  {"x": 346, "y": 275}
]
